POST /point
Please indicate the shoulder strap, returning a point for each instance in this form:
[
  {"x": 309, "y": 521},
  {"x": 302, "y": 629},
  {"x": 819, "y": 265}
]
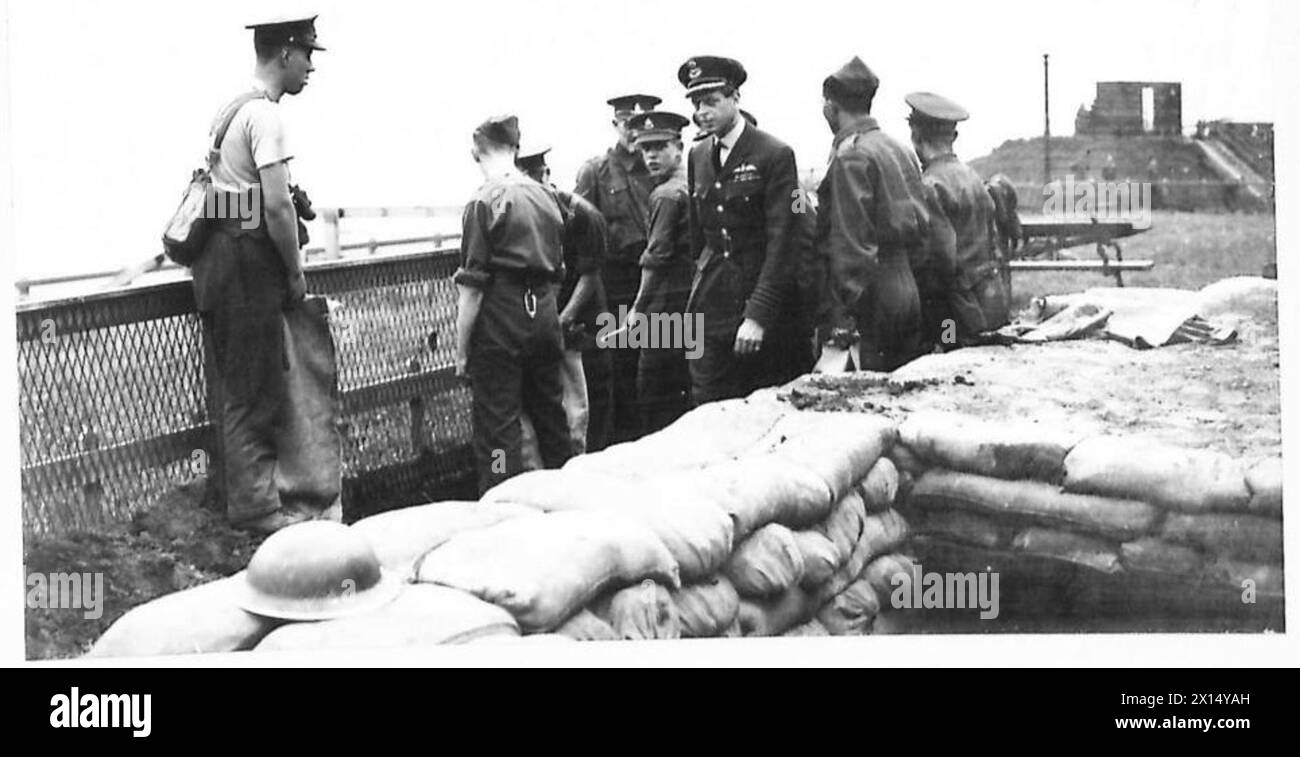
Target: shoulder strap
[{"x": 228, "y": 117}]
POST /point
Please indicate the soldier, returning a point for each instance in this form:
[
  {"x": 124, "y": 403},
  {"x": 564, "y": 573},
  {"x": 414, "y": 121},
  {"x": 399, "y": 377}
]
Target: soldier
[
  {"x": 618, "y": 184},
  {"x": 508, "y": 326},
  {"x": 667, "y": 268},
  {"x": 245, "y": 280},
  {"x": 873, "y": 223},
  {"x": 588, "y": 395},
  {"x": 977, "y": 299},
  {"x": 745, "y": 237}
]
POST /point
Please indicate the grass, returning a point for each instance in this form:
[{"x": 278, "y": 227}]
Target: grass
[{"x": 1190, "y": 250}]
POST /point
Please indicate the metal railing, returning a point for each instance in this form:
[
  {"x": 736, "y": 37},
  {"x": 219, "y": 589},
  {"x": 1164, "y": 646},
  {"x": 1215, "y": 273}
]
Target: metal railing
[{"x": 114, "y": 404}]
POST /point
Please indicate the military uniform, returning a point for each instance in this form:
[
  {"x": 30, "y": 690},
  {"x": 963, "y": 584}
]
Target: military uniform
[
  {"x": 663, "y": 378},
  {"x": 744, "y": 233},
  {"x": 977, "y": 297},
  {"x": 873, "y": 222},
  {"x": 241, "y": 291},
  {"x": 511, "y": 249},
  {"x": 619, "y": 186}
]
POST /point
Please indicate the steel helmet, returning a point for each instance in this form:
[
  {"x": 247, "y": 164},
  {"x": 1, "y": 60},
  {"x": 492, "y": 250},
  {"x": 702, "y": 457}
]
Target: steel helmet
[{"x": 314, "y": 571}]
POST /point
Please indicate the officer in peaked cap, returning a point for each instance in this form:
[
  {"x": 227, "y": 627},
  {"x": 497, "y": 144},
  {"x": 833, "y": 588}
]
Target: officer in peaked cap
[
  {"x": 508, "y": 339},
  {"x": 249, "y": 288},
  {"x": 977, "y": 299},
  {"x": 704, "y": 73},
  {"x": 872, "y": 248},
  {"x": 618, "y": 185},
  {"x": 746, "y": 239},
  {"x": 286, "y": 30},
  {"x": 588, "y": 394},
  {"x": 663, "y": 379}
]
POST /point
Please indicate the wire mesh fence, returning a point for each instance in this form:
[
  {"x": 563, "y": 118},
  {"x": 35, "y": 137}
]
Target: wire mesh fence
[{"x": 114, "y": 406}]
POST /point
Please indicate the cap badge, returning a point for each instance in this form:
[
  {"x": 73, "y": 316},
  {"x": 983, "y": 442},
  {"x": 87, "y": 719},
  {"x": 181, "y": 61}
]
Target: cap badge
[{"x": 695, "y": 72}]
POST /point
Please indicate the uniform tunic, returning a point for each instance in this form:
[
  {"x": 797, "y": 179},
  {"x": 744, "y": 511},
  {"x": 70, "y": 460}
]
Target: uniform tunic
[
  {"x": 619, "y": 185},
  {"x": 978, "y": 299},
  {"x": 663, "y": 380},
  {"x": 746, "y": 239},
  {"x": 511, "y": 249},
  {"x": 873, "y": 223}
]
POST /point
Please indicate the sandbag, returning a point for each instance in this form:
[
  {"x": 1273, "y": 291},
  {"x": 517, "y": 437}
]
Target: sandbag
[
  {"x": 1264, "y": 480},
  {"x": 697, "y": 533},
  {"x": 1159, "y": 556},
  {"x": 1120, "y": 519},
  {"x": 558, "y": 490},
  {"x": 1249, "y": 538},
  {"x": 1267, "y": 580},
  {"x": 1190, "y": 480},
  {"x": 821, "y": 558},
  {"x": 640, "y": 612},
  {"x": 844, "y": 524},
  {"x": 586, "y": 626},
  {"x": 881, "y": 533},
  {"x": 838, "y": 447},
  {"x": 1087, "y": 551},
  {"x": 767, "y": 563},
  {"x": 421, "y": 615},
  {"x": 811, "y": 628},
  {"x": 966, "y": 528},
  {"x": 851, "y": 612},
  {"x": 880, "y": 573},
  {"x": 709, "y": 434},
  {"x": 906, "y": 483},
  {"x": 999, "y": 450},
  {"x": 708, "y": 608},
  {"x": 400, "y": 537},
  {"x": 880, "y": 487},
  {"x": 905, "y": 459},
  {"x": 543, "y": 568},
  {"x": 202, "y": 619},
  {"x": 776, "y": 615},
  {"x": 757, "y": 491},
  {"x": 1246, "y": 295}
]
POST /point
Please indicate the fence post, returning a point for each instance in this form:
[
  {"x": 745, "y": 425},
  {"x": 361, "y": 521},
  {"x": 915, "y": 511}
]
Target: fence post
[
  {"x": 92, "y": 492},
  {"x": 419, "y": 442},
  {"x": 216, "y": 462},
  {"x": 331, "y": 218}
]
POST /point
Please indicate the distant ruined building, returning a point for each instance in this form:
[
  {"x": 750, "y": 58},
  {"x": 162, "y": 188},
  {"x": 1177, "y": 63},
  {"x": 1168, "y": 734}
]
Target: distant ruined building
[{"x": 1133, "y": 108}]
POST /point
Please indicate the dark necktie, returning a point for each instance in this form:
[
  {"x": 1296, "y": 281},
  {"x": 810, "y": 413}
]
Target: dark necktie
[{"x": 717, "y": 156}]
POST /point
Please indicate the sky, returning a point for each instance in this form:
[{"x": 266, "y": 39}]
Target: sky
[{"x": 110, "y": 102}]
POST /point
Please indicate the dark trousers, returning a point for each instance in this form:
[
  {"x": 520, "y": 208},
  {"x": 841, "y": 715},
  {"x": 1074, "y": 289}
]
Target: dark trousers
[
  {"x": 515, "y": 365},
  {"x": 622, "y": 280},
  {"x": 663, "y": 385},
  {"x": 240, "y": 289},
  {"x": 598, "y": 369},
  {"x": 719, "y": 373}
]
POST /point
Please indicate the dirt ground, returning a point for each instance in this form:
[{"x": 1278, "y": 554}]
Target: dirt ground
[
  {"x": 1224, "y": 398},
  {"x": 179, "y": 543}
]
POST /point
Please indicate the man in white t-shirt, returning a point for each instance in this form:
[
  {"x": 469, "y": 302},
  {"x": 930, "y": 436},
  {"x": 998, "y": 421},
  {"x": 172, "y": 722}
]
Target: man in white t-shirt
[{"x": 249, "y": 274}]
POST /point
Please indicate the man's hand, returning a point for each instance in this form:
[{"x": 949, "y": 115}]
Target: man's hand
[
  {"x": 297, "y": 288},
  {"x": 749, "y": 337},
  {"x": 462, "y": 365}
]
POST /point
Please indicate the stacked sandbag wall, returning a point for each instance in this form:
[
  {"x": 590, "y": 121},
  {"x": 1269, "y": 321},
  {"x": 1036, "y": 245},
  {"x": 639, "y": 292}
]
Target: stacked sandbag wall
[{"x": 1120, "y": 506}]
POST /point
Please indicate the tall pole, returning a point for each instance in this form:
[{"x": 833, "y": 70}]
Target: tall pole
[{"x": 1047, "y": 128}]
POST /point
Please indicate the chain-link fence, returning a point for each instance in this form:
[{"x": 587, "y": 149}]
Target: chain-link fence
[{"x": 114, "y": 404}]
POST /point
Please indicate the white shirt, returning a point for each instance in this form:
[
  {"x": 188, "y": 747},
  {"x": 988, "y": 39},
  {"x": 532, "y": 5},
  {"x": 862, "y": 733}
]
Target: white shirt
[
  {"x": 728, "y": 140},
  {"x": 256, "y": 139}
]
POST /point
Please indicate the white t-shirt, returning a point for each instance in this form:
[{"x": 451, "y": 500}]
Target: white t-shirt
[{"x": 255, "y": 140}]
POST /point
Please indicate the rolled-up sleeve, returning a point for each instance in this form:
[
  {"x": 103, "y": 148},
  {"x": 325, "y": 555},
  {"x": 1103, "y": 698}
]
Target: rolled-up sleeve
[
  {"x": 475, "y": 246},
  {"x": 666, "y": 211}
]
